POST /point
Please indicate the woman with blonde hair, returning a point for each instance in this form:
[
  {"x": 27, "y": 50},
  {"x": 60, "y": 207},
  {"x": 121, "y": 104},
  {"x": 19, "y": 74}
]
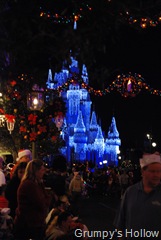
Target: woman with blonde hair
[{"x": 33, "y": 203}]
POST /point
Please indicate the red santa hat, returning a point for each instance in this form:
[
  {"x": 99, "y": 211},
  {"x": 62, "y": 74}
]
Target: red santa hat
[
  {"x": 23, "y": 153},
  {"x": 150, "y": 158}
]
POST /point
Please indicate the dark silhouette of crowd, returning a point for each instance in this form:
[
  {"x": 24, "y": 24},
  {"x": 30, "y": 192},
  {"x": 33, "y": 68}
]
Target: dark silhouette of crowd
[{"x": 43, "y": 202}]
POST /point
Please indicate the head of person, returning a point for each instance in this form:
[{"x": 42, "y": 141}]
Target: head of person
[
  {"x": 20, "y": 170},
  {"x": 24, "y": 156},
  {"x": 151, "y": 169},
  {"x": 63, "y": 203},
  {"x": 34, "y": 171}
]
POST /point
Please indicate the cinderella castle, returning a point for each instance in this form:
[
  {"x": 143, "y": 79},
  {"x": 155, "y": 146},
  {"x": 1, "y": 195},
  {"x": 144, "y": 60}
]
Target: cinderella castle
[{"x": 83, "y": 135}]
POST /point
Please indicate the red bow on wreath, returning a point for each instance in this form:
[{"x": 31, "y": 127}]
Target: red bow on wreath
[{"x": 10, "y": 118}]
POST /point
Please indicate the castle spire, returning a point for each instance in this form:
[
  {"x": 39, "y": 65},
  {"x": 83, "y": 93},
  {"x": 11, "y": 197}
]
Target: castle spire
[
  {"x": 99, "y": 142},
  {"x": 113, "y": 132},
  {"x": 49, "y": 82},
  {"x": 93, "y": 123},
  {"x": 79, "y": 126},
  {"x": 99, "y": 134}
]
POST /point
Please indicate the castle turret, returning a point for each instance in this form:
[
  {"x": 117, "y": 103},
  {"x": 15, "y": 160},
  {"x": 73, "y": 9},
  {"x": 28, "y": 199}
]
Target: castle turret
[
  {"x": 99, "y": 142},
  {"x": 49, "y": 83},
  {"x": 112, "y": 143},
  {"x": 93, "y": 128},
  {"x": 80, "y": 138}
]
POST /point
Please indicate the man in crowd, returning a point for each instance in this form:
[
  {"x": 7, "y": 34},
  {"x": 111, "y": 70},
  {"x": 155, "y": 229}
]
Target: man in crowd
[{"x": 140, "y": 209}]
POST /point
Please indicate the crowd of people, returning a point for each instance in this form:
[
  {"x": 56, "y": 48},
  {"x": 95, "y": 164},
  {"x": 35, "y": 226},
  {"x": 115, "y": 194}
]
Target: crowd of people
[{"x": 42, "y": 203}]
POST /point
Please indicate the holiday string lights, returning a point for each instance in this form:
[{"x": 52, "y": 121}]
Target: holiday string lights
[
  {"x": 143, "y": 22},
  {"x": 136, "y": 16},
  {"x": 128, "y": 85},
  {"x": 61, "y": 18}
]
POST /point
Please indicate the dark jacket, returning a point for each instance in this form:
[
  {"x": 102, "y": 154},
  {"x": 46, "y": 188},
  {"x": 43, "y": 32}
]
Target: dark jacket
[
  {"x": 33, "y": 205},
  {"x": 11, "y": 194}
]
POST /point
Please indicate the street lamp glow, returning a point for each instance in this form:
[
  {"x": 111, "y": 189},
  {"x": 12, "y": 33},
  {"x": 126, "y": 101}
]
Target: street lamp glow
[
  {"x": 35, "y": 102},
  {"x": 148, "y": 136},
  {"x": 154, "y": 144}
]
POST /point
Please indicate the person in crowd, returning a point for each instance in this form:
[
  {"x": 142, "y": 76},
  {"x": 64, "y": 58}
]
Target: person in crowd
[
  {"x": 12, "y": 186},
  {"x": 62, "y": 205},
  {"x": 65, "y": 226},
  {"x": 56, "y": 179},
  {"x": 124, "y": 182},
  {"x": 3, "y": 200},
  {"x": 131, "y": 178},
  {"x": 75, "y": 190},
  {"x": 24, "y": 155},
  {"x": 62, "y": 226},
  {"x": 33, "y": 203},
  {"x": 140, "y": 207},
  {"x": 6, "y": 225},
  {"x": 109, "y": 188},
  {"x": 2, "y": 175},
  {"x": 103, "y": 182}
]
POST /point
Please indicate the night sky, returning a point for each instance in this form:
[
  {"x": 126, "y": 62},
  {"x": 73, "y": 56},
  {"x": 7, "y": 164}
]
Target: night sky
[{"x": 136, "y": 52}]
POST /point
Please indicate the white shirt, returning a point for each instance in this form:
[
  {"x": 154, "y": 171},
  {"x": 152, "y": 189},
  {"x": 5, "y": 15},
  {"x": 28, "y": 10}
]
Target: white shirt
[{"x": 2, "y": 178}]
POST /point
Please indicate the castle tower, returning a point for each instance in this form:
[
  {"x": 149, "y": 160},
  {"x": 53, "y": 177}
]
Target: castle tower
[
  {"x": 99, "y": 145},
  {"x": 112, "y": 144},
  {"x": 80, "y": 139},
  {"x": 93, "y": 128}
]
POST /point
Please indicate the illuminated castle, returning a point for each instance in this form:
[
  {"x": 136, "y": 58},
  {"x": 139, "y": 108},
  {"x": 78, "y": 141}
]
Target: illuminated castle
[{"x": 80, "y": 130}]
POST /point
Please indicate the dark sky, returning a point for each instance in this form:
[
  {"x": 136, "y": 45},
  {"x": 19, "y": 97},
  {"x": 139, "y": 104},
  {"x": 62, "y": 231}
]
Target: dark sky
[
  {"x": 137, "y": 52},
  {"x": 135, "y": 117}
]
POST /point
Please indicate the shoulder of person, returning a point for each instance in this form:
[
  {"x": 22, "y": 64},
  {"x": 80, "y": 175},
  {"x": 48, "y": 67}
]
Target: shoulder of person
[{"x": 28, "y": 184}]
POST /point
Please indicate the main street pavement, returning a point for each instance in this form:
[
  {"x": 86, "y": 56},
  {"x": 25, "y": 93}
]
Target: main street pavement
[{"x": 98, "y": 212}]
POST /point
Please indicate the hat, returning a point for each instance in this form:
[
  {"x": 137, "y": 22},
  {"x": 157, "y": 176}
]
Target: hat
[
  {"x": 150, "y": 158},
  {"x": 5, "y": 211},
  {"x": 23, "y": 153}
]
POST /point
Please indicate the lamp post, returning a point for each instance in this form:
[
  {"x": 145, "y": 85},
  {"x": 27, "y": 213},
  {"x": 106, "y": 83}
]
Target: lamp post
[
  {"x": 35, "y": 102},
  {"x": 9, "y": 120},
  {"x": 149, "y": 141}
]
